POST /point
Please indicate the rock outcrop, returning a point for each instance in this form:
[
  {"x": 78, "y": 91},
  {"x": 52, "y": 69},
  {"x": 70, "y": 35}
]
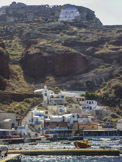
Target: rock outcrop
[
  {"x": 4, "y": 62},
  {"x": 19, "y": 12},
  {"x": 56, "y": 62},
  {"x": 4, "y": 66}
]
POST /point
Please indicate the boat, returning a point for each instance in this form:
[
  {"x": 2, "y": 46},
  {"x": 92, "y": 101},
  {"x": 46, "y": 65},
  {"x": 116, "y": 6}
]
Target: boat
[
  {"x": 120, "y": 141},
  {"x": 105, "y": 139},
  {"x": 83, "y": 144},
  {"x": 44, "y": 140},
  {"x": 33, "y": 143},
  {"x": 66, "y": 142}
]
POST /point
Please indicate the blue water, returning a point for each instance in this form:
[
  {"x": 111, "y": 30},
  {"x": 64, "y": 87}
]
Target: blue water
[
  {"x": 43, "y": 158},
  {"x": 96, "y": 142}
]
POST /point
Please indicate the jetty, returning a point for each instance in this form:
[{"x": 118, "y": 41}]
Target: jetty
[
  {"x": 71, "y": 152},
  {"x": 11, "y": 157}
]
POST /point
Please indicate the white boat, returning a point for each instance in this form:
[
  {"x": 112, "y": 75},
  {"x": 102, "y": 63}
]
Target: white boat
[
  {"x": 44, "y": 140},
  {"x": 105, "y": 139}
]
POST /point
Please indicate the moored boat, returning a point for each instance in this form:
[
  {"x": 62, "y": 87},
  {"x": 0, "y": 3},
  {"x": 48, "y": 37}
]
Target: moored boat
[
  {"x": 66, "y": 142},
  {"x": 120, "y": 141},
  {"x": 83, "y": 144},
  {"x": 33, "y": 143}
]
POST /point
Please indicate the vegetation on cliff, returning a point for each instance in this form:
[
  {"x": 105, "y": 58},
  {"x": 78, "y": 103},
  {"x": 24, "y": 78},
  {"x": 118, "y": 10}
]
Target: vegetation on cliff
[{"x": 77, "y": 55}]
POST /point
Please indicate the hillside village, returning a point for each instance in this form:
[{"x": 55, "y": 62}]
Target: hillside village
[{"x": 64, "y": 111}]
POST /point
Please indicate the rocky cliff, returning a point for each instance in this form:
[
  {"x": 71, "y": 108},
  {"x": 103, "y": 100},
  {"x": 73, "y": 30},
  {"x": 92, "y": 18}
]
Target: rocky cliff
[
  {"x": 80, "y": 55},
  {"x": 53, "y": 61},
  {"x": 4, "y": 66},
  {"x": 18, "y": 12},
  {"x": 4, "y": 62}
]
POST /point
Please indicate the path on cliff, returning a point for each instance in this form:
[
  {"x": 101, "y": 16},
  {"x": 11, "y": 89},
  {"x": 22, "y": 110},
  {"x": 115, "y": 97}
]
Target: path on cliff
[{"x": 27, "y": 117}]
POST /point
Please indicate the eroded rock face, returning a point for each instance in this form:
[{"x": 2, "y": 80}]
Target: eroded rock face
[
  {"x": 38, "y": 65},
  {"x": 34, "y": 65},
  {"x": 4, "y": 62},
  {"x": 2, "y": 83},
  {"x": 70, "y": 64}
]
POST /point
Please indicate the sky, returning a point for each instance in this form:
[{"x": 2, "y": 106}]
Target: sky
[{"x": 108, "y": 11}]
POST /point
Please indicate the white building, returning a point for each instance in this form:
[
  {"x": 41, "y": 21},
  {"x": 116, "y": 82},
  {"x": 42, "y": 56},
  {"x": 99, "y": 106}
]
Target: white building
[
  {"x": 36, "y": 120},
  {"x": 50, "y": 98},
  {"x": 70, "y": 119},
  {"x": 89, "y": 105},
  {"x": 8, "y": 120},
  {"x": 68, "y": 14},
  {"x": 86, "y": 118},
  {"x": 72, "y": 93},
  {"x": 25, "y": 131},
  {"x": 37, "y": 117},
  {"x": 119, "y": 124}
]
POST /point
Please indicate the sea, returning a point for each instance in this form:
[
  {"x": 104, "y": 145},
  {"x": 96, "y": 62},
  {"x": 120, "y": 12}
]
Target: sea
[{"x": 96, "y": 142}]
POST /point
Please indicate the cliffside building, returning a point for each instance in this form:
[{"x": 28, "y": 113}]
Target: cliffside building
[
  {"x": 8, "y": 120},
  {"x": 68, "y": 14}
]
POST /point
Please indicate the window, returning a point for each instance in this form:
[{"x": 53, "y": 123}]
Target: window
[{"x": 60, "y": 110}]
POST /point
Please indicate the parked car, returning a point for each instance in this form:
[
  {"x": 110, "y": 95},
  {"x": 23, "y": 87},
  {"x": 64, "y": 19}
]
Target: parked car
[{"x": 3, "y": 149}]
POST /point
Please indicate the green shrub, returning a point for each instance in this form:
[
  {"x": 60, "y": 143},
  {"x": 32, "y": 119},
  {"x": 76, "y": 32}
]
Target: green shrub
[{"x": 90, "y": 95}]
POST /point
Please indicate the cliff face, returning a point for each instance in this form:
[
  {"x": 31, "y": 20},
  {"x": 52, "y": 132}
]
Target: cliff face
[
  {"x": 55, "y": 63},
  {"x": 4, "y": 62},
  {"x": 4, "y": 66},
  {"x": 76, "y": 55}
]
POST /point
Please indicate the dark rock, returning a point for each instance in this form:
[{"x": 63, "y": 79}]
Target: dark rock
[
  {"x": 70, "y": 64},
  {"x": 4, "y": 62},
  {"x": 2, "y": 83},
  {"x": 59, "y": 64}
]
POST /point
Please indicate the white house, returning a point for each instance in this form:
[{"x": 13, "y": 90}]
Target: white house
[
  {"x": 119, "y": 124},
  {"x": 89, "y": 105},
  {"x": 37, "y": 117},
  {"x": 66, "y": 120},
  {"x": 36, "y": 120},
  {"x": 68, "y": 14}
]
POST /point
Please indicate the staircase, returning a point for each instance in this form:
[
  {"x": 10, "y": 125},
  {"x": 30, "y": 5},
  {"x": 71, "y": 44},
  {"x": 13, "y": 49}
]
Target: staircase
[{"x": 27, "y": 117}]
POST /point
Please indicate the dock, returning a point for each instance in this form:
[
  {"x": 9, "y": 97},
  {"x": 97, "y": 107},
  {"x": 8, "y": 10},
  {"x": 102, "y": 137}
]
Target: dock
[
  {"x": 11, "y": 157},
  {"x": 71, "y": 152}
]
